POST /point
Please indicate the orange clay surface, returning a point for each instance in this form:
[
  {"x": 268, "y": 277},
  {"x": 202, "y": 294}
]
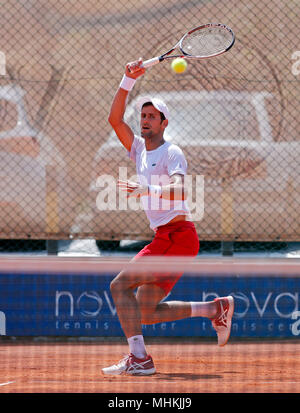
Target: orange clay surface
[{"x": 182, "y": 367}]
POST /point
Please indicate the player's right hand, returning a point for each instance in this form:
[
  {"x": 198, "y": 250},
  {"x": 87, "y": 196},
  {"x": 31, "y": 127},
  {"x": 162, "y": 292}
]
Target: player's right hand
[
  {"x": 134, "y": 189},
  {"x": 134, "y": 69}
]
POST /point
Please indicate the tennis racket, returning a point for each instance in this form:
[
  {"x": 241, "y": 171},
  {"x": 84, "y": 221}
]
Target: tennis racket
[{"x": 202, "y": 42}]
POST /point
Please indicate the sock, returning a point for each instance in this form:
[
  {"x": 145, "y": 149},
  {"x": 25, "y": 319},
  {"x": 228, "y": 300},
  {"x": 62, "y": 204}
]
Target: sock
[
  {"x": 203, "y": 309},
  {"x": 137, "y": 346}
]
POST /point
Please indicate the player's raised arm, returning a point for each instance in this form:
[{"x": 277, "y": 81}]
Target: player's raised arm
[{"x": 116, "y": 116}]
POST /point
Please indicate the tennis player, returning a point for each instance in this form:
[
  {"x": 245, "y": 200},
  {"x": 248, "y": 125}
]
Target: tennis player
[{"x": 175, "y": 233}]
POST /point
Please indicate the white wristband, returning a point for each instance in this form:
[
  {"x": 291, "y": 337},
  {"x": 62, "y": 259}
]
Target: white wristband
[
  {"x": 127, "y": 83},
  {"x": 155, "y": 190}
]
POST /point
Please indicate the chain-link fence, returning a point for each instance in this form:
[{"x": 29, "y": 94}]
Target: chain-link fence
[{"x": 235, "y": 116}]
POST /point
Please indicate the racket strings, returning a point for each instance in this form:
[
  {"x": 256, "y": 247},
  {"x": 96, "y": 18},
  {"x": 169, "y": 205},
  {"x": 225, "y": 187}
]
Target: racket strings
[{"x": 206, "y": 42}]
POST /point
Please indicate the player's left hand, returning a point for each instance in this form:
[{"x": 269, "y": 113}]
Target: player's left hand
[{"x": 134, "y": 189}]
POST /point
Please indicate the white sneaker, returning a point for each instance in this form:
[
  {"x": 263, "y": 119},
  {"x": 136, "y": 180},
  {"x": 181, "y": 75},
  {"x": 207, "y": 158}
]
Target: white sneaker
[
  {"x": 222, "y": 323},
  {"x": 131, "y": 365}
]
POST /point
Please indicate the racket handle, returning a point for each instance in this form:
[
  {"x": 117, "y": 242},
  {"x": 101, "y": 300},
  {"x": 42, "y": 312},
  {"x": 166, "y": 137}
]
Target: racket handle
[{"x": 151, "y": 62}]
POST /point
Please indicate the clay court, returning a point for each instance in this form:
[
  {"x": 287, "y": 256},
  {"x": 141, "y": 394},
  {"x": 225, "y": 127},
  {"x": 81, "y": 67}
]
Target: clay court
[{"x": 182, "y": 367}]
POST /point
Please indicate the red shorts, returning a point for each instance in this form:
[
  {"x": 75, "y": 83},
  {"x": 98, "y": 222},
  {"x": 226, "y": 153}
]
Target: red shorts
[{"x": 175, "y": 239}]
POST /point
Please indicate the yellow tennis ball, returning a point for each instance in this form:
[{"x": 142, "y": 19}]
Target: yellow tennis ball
[{"x": 179, "y": 65}]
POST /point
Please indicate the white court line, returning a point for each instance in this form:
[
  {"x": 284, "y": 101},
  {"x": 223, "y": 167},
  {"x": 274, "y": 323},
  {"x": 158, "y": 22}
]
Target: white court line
[
  {"x": 169, "y": 382},
  {"x": 5, "y": 384}
]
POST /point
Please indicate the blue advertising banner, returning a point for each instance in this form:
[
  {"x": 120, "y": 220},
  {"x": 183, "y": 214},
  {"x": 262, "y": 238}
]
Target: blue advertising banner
[{"x": 81, "y": 305}]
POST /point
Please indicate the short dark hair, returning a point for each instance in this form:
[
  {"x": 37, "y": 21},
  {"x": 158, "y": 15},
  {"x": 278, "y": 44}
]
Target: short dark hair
[{"x": 162, "y": 116}]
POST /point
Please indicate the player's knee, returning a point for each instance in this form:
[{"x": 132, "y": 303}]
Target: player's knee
[
  {"x": 119, "y": 285},
  {"x": 115, "y": 286}
]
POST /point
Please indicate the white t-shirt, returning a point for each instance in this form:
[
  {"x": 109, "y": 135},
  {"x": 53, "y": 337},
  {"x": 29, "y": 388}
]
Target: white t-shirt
[{"x": 155, "y": 168}]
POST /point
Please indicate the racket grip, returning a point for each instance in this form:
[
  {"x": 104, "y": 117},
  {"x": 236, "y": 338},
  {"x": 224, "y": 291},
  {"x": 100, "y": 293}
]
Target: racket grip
[{"x": 151, "y": 62}]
